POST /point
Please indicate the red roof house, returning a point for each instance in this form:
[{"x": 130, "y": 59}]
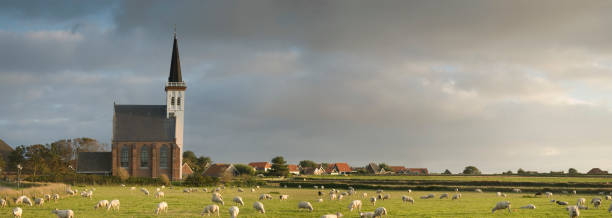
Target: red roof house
[
  {"x": 417, "y": 171},
  {"x": 261, "y": 166},
  {"x": 398, "y": 169},
  {"x": 339, "y": 168},
  {"x": 294, "y": 169}
]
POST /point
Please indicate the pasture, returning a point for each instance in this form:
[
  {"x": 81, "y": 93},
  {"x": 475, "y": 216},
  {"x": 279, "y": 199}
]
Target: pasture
[{"x": 135, "y": 204}]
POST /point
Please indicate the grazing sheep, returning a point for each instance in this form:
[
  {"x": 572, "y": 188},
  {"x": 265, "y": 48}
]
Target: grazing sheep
[
  {"x": 601, "y": 193},
  {"x": 366, "y": 215},
  {"x": 216, "y": 198},
  {"x": 161, "y": 207},
  {"x": 409, "y": 191},
  {"x": 428, "y": 196},
  {"x": 259, "y": 207},
  {"x": 516, "y": 190},
  {"x": 355, "y": 204},
  {"x": 23, "y": 200},
  {"x": 562, "y": 203},
  {"x": 596, "y": 204},
  {"x": 114, "y": 204},
  {"x": 504, "y": 195},
  {"x": 583, "y": 207},
  {"x": 380, "y": 212},
  {"x": 332, "y": 196},
  {"x": 407, "y": 199},
  {"x": 210, "y": 209},
  {"x": 283, "y": 197},
  {"x": 322, "y": 187},
  {"x": 456, "y": 190},
  {"x": 132, "y": 188},
  {"x": 364, "y": 195},
  {"x": 502, "y": 205},
  {"x": 595, "y": 199},
  {"x": 387, "y": 196},
  {"x": 332, "y": 215},
  {"x": 265, "y": 197},
  {"x": 39, "y": 201},
  {"x": 549, "y": 194},
  {"x": 160, "y": 194},
  {"x": 529, "y": 206},
  {"x": 17, "y": 212},
  {"x": 499, "y": 194},
  {"x": 252, "y": 190},
  {"x": 87, "y": 194},
  {"x": 63, "y": 213},
  {"x": 316, "y": 187},
  {"x": 581, "y": 201},
  {"x": 573, "y": 211},
  {"x": 145, "y": 191},
  {"x": 574, "y": 192},
  {"x": 478, "y": 190},
  {"x": 257, "y": 187},
  {"x": 444, "y": 195},
  {"x": 233, "y": 211},
  {"x": 305, "y": 205},
  {"x": 379, "y": 191},
  {"x": 320, "y": 200},
  {"x": 299, "y": 186},
  {"x": 56, "y": 197},
  {"x": 47, "y": 197},
  {"x": 70, "y": 192},
  {"x": 456, "y": 196},
  {"x": 2, "y": 203},
  {"x": 186, "y": 190},
  {"x": 608, "y": 197},
  {"x": 102, "y": 204},
  {"x": 379, "y": 196},
  {"x": 373, "y": 200},
  {"x": 238, "y": 200},
  {"x": 158, "y": 189},
  {"x": 340, "y": 197},
  {"x": 240, "y": 190}
]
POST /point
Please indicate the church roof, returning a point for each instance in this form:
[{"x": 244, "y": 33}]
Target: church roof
[
  {"x": 175, "y": 64},
  {"x": 142, "y": 123},
  {"x": 95, "y": 162}
]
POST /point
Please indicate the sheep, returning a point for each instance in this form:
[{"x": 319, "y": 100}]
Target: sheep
[
  {"x": 63, "y": 213},
  {"x": 233, "y": 211},
  {"x": 366, "y": 215},
  {"x": 608, "y": 197},
  {"x": 380, "y": 212},
  {"x": 332, "y": 215},
  {"x": 160, "y": 194},
  {"x": 161, "y": 207},
  {"x": 322, "y": 187},
  {"x": 257, "y": 187},
  {"x": 283, "y": 197},
  {"x": 502, "y": 205},
  {"x": 47, "y": 197},
  {"x": 364, "y": 195},
  {"x": 340, "y": 197},
  {"x": 428, "y": 196},
  {"x": 102, "y": 203},
  {"x": 601, "y": 193},
  {"x": 17, "y": 212},
  {"x": 114, "y": 204},
  {"x": 499, "y": 194},
  {"x": 299, "y": 186},
  {"x": 252, "y": 190},
  {"x": 407, "y": 199},
  {"x": 238, "y": 200},
  {"x": 259, "y": 207},
  {"x": 320, "y": 200},
  {"x": 581, "y": 201},
  {"x": 478, "y": 190},
  {"x": 240, "y": 190},
  {"x": 186, "y": 190},
  {"x": 315, "y": 187},
  {"x": 23, "y": 200},
  {"x": 549, "y": 194},
  {"x": 216, "y": 198},
  {"x": 332, "y": 196},
  {"x": 70, "y": 192},
  {"x": 529, "y": 206},
  {"x": 456, "y": 196},
  {"x": 409, "y": 191},
  {"x": 87, "y": 194},
  {"x": 610, "y": 208},
  {"x": 573, "y": 211},
  {"x": 562, "y": 203},
  {"x": 574, "y": 192},
  {"x": 2, "y": 203},
  {"x": 145, "y": 191},
  {"x": 516, "y": 190},
  {"x": 373, "y": 200},
  {"x": 595, "y": 199},
  {"x": 355, "y": 204},
  {"x": 596, "y": 204},
  {"x": 265, "y": 197},
  {"x": 444, "y": 195},
  {"x": 379, "y": 191},
  {"x": 305, "y": 205},
  {"x": 132, "y": 188},
  {"x": 210, "y": 209},
  {"x": 456, "y": 190},
  {"x": 387, "y": 196},
  {"x": 55, "y": 197}
]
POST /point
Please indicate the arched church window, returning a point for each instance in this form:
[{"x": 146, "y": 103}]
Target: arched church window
[
  {"x": 172, "y": 101},
  {"x": 125, "y": 152},
  {"x": 144, "y": 156},
  {"x": 163, "y": 156}
]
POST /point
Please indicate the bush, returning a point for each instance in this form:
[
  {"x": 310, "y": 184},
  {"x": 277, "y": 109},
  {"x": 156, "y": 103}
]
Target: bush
[
  {"x": 123, "y": 174},
  {"x": 164, "y": 179},
  {"x": 199, "y": 180},
  {"x": 471, "y": 170}
]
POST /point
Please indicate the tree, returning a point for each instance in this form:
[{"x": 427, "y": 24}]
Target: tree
[
  {"x": 308, "y": 163},
  {"x": 279, "y": 167},
  {"x": 520, "y": 171},
  {"x": 244, "y": 169},
  {"x": 447, "y": 172},
  {"x": 572, "y": 171},
  {"x": 36, "y": 156},
  {"x": 384, "y": 166},
  {"x": 123, "y": 174},
  {"x": 164, "y": 179},
  {"x": 189, "y": 156},
  {"x": 471, "y": 170},
  {"x": 509, "y": 172},
  {"x": 17, "y": 156}
]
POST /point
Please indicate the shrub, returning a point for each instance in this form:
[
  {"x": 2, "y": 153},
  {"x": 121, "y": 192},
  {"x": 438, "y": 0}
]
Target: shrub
[
  {"x": 123, "y": 174},
  {"x": 164, "y": 179}
]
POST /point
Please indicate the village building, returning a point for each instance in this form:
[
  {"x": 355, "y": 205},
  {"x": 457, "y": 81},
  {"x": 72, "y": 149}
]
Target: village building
[
  {"x": 338, "y": 169},
  {"x": 187, "y": 171},
  {"x": 220, "y": 170},
  {"x": 261, "y": 166},
  {"x": 294, "y": 169}
]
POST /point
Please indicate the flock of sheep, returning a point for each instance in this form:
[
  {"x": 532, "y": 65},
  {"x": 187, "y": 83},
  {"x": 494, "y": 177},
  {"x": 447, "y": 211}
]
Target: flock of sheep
[{"x": 25, "y": 200}]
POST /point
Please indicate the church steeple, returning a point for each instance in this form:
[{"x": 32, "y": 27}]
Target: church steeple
[{"x": 175, "y": 64}]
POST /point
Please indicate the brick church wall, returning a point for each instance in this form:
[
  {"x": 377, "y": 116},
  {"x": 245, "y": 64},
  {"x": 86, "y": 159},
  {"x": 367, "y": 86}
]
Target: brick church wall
[{"x": 153, "y": 170}]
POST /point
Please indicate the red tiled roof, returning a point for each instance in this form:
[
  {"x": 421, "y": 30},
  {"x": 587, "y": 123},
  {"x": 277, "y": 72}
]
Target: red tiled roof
[
  {"x": 343, "y": 167},
  {"x": 187, "y": 169},
  {"x": 418, "y": 170},
  {"x": 260, "y": 165},
  {"x": 216, "y": 170},
  {"x": 293, "y": 168},
  {"x": 397, "y": 169}
]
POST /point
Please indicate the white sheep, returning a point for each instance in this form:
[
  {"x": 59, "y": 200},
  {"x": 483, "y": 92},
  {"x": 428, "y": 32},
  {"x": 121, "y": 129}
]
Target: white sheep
[
  {"x": 63, "y": 213},
  {"x": 257, "y": 187},
  {"x": 386, "y": 197},
  {"x": 549, "y": 194},
  {"x": 333, "y": 196},
  {"x": 380, "y": 212},
  {"x": 101, "y": 204},
  {"x": 299, "y": 186},
  {"x": 596, "y": 203},
  {"x": 516, "y": 190},
  {"x": 216, "y": 198},
  {"x": 320, "y": 200},
  {"x": 574, "y": 192},
  {"x": 581, "y": 201},
  {"x": 240, "y": 190},
  {"x": 186, "y": 190},
  {"x": 145, "y": 191},
  {"x": 364, "y": 195},
  {"x": 379, "y": 191},
  {"x": 238, "y": 200},
  {"x": 259, "y": 207},
  {"x": 529, "y": 206},
  {"x": 47, "y": 197},
  {"x": 211, "y": 209},
  {"x": 573, "y": 211},
  {"x": 284, "y": 197},
  {"x": 340, "y": 197},
  {"x": 2, "y": 203},
  {"x": 132, "y": 188},
  {"x": 23, "y": 200},
  {"x": 332, "y": 215},
  {"x": 409, "y": 191},
  {"x": 204, "y": 189},
  {"x": 428, "y": 196},
  {"x": 252, "y": 190},
  {"x": 233, "y": 211},
  {"x": 502, "y": 205},
  {"x": 305, "y": 205},
  {"x": 366, "y": 215},
  {"x": 406, "y": 199},
  {"x": 265, "y": 197},
  {"x": 355, "y": 204},
  {"x": 161, "y": 207},
  {"x": 114, "y": 204},
  {"x": 160, "y": 194},
  {"x": 373, "y": 200},
  {"x": 457, "y": 196},
  {"x": 17, "y": 212},
  {"x": 70, "y": 192},
  {"x": 322, "y": 187},
  {"x": 39, "y": 201},
  {"x": 499, "y": 194},
  {"x": 478, "y": 190},
  {"x": 444, "y": 195},
  {"x": 608, "y": 197},
  {"x": 56, "y": 197},
  {"x": 595, "y": 199}
]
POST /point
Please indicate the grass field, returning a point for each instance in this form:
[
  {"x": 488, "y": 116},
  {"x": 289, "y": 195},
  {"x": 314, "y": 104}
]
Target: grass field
[
  {"x": 473, "y": 178},
  {"x": 136, "y": 204}
]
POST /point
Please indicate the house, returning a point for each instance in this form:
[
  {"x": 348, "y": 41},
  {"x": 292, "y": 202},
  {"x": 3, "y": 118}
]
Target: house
[
  {"x": 261, "y": 166},
  {"x": 417, "y": 171},
  {"x": 187, "y": 171},
  {"x": 597, "y": 171},
  {"x": 221, "y": 170},
  {"x": 338, "y": 169},
  {"x": 313, "y": 170},
  {"x": 398, "y": 169},
  {"x": 294, "y": 169},
  {"x": 97, "y": 163},
  {"x": 373, "y": 168}
]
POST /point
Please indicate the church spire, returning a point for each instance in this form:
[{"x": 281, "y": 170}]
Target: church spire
[{"x": 175, "y": 64}]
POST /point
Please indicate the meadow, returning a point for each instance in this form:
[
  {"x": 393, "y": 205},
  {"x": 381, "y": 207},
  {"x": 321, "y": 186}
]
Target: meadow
[
  {"x": 498, "y": 178},
  {"x": 136, "y": 204}
]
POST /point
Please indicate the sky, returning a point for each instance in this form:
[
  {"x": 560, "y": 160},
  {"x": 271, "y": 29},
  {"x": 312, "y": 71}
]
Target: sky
[{"x": 500, "y": 85}]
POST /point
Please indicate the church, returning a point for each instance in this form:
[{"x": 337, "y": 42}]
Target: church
[{"x": 147, "y": 140}]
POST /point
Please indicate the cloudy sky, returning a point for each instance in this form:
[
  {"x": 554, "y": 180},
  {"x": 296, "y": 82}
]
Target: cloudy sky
[{"x": 440, "y": 84}]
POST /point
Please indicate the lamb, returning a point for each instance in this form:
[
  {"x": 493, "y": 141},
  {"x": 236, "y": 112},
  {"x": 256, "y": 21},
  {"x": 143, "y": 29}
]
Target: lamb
[
  {"x": 444, "y": 195},
  {"x": 2, "y": 203},
  {"x": 373, "y": 200},
  {"x": 233, "y": 211},
  {"x": 322, "y": 187},
  {"x": 23, "y": 200},
  {"x": 478, "y": 190},
  {"x": 114, "y": 204},
  {"x": 70, "y": 192},
  {"x": 211, "y": 209},
  {"x": 409, "y": 191},
  {"x": 583, "y": 207},
  {"x": 562, "y": 203},
  {"x": 529, "y": 206},
  {"x": 355, "y": 204},
  {"x": 407, "y": 199},
  {"x": 204, "y": 189},
  {"x": 56, "y": 197},
  {"x": 88, "y": 194},
  {"x": 39, "y": 201},
  {"x": 502, "y": 205},
  {"x": 456, "y": 190},
  {"x": 47, "y": 197},
  {"x": 581, "y": 201},
  {"x": 316, "y": 187},
  {"x": 63, "y": 213},
  {"x": 238, "y": 200},
  {"x": 456, "y": 196},
  {"x": 299, "y": 186},
  {"x": 574, "y": 192},
  {"x": 380, "y": 212},
  {"x": 259, "y": 207},
  {"x": 573, "y": 211},
  {"x": 499, "y": 194},
  {"x": 257, "y": 187},
  {"x": 17, "y": 212},
  {"x": 160, "y": 194},
  {"x": 161, "y": 207},
  {"x": 284, "y": 197},
  {"x": 332, "y": 215},
  {"x": 387, "y": 196},
  {"x": 102, "y": 203},
  {"x": 305, "y": 205},
  {"x": 132, "y": 188},
  {"x": 252, "y": 190},
  {"x": 216, "y": 198}
]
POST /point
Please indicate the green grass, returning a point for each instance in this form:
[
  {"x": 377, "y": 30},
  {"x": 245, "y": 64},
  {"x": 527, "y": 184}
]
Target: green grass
[
  {"x": 135, "y": 204},
  {"x": 473, "y": 178}
]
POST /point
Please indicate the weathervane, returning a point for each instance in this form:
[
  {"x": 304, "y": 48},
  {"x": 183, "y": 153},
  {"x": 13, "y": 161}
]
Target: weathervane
[{"x": 175, "y": 31}]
